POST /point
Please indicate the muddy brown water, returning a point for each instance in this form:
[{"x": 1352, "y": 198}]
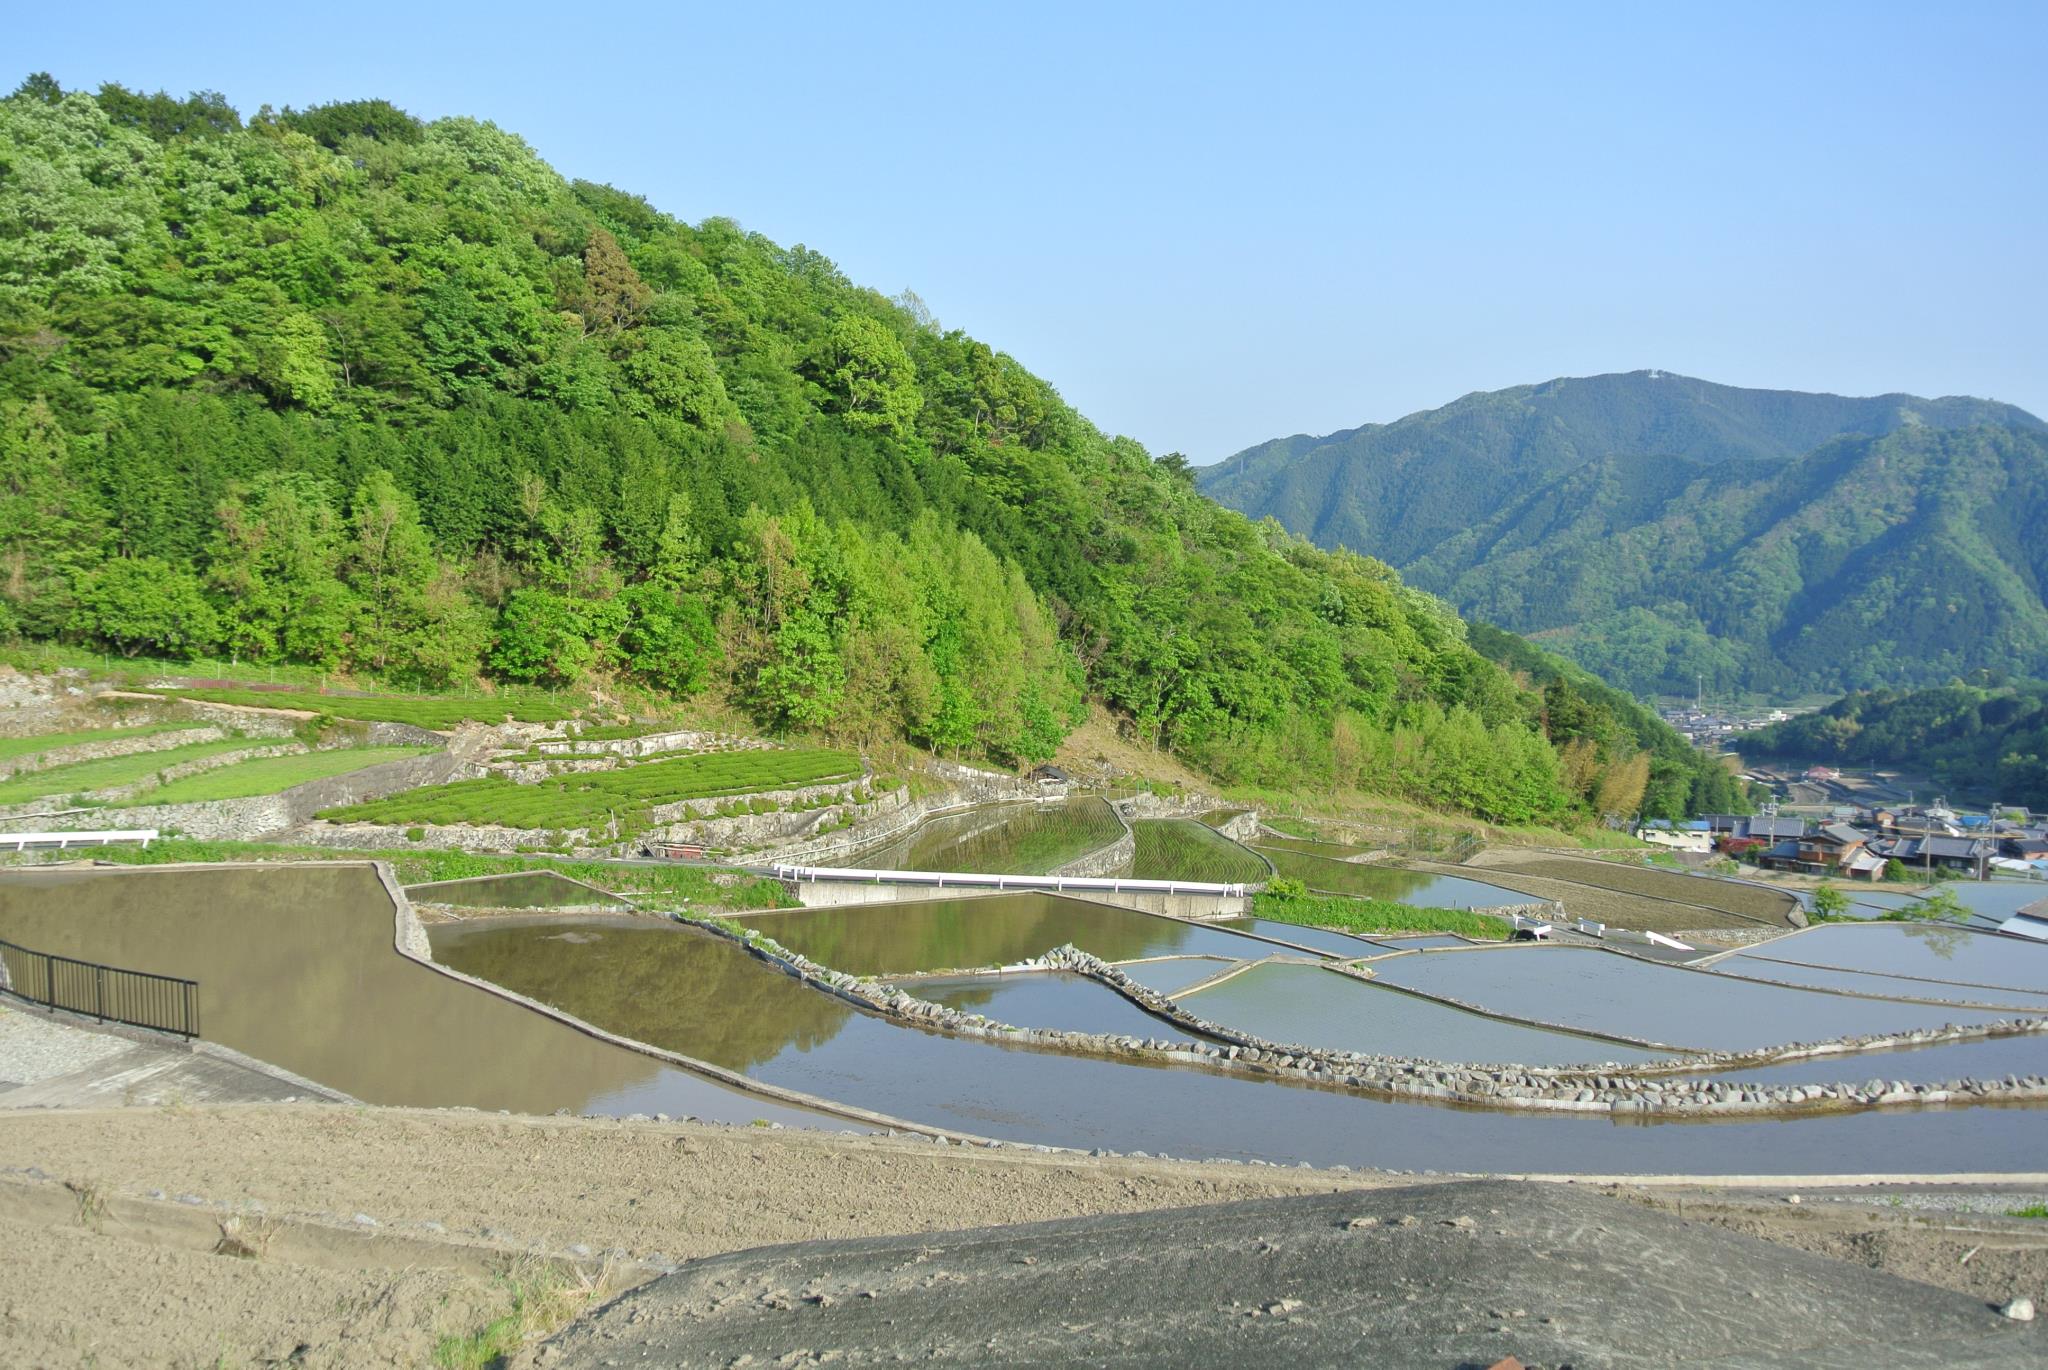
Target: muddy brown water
[{"x": 296, "y": 966}]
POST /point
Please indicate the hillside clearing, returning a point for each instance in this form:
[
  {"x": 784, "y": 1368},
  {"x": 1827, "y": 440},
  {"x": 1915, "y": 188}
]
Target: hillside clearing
[{"x": 434, "y": 713}]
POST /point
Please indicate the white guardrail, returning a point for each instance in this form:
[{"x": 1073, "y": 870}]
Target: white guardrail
[
  {"x": 965, "y": 880},
  {"x": 22, "y": 841}
]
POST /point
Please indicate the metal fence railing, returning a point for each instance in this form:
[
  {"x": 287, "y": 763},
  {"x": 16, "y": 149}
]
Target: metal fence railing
[{"x": 112, "y": 995}]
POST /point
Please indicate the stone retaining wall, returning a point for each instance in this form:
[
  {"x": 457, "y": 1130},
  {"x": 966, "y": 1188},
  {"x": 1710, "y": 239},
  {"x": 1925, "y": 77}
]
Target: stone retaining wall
[
  {"x": 248, "y": 820},
  {"x": 1595, "y": 1089}
]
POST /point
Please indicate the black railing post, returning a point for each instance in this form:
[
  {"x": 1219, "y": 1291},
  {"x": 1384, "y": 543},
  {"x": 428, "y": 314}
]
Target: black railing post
[{"x": 99, "y": 993}]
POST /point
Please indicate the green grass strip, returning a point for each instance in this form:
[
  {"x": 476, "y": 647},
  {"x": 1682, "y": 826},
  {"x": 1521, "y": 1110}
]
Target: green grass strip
[
  {"x": 1375, "y": 915},
  {"x": 12, "y": 747},
  {"x": 587, "y": 798},
  {"x": 662, "y": 883},
  {"x": 113, "y": 772},
  {"x": 270, "y": 774},
  {"x": 437, "y": 713}
]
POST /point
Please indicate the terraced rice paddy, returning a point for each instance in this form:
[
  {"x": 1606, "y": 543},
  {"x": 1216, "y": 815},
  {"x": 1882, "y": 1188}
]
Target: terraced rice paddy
[
  {"x": 1338, "y": 944},
  {"x": 113, "y": 772},
  {"x": 1009, "y": 839},
  {"x": 1335, "y": 851},
  {"x": 1590, "y": 990},
  {"x": 14, "y": 748},
  {"x": 1173, "y": 974},
  {"x": 1880, "y": 986},
  {"x": 1987, "y": 1058},
  {"x": 534, "y": 890},
  {"x": 284, "y": 953},
  {"x": 1314, "y": 1006},
  {"x": 1419, "y": 888},
  {"x": 271, "y": 774},
  {"x": 1072, "y": 1003},
  {"x": 1728, "y": 896},
  {"x": 1181, "y": 849},
  {"x": 1929, "y": 952},
  {"x": 592, "y": 799},
  {"x": 920, "y": 936},
  {"x": 436, "y": 713}
]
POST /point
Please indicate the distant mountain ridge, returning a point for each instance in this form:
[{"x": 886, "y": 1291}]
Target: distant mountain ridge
[{"x": 1660, "y": 529}]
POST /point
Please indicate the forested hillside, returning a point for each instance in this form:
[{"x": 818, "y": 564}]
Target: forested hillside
[
  {"x": 1663, "y": 532},
  {"x": 343, "y": 388},
  {"x": 1591, "y": 723},
  {"x": 1993, "y": 739}
]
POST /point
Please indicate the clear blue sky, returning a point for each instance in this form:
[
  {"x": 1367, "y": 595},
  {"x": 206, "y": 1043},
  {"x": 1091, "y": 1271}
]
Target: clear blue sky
[{"x": 1211, "y": 225}]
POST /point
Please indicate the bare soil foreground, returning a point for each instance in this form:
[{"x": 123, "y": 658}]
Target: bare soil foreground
[
  {"x": 1465, "y": 1274},
  {"x": 338, "y": 1235}
]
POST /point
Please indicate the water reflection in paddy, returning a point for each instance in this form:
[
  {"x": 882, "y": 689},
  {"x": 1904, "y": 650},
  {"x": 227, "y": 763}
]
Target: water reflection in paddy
[
  {"x": 1885, "y": 986},
  {"x": 1014, "y": 839},
  {"x": 296, "y": 966},
  {"x": 1313, "y": 1006},
  {"x": 1338, "y": 944},
  {"x": 1991, "y": 1058},
  {"x": 994, "y": 930},
  {"x": 1047, "y": 999},
  {"x": 1027, "y": 1095},
  {"x": 1419, "y": 888},
  {"x": 1175, "y": 974},
  {"x": 1599, "y": 991},
  {"x": 1929, "y": 951},
  {"x": 530, "y": 890}
]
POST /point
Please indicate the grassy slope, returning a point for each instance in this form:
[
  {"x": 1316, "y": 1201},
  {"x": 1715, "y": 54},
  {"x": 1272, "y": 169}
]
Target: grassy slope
[
  {"x": 114, "y": 772},
  {"x": 13, "y": 747},
  {"x": 271, "y": 774}
]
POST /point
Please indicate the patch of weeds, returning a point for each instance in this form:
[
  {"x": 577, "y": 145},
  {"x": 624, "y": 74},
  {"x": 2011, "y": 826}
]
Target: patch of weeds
[
  {"x": 92, "y": 1202},
  {"x": 543, "y": 1298},
  {"x": 2030, "y": 1211},
  {"x": 248, "y": 1241}
]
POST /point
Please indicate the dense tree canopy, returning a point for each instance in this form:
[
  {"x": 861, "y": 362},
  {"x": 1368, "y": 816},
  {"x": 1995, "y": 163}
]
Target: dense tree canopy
[
  {"x": 334, "y": 386},
  {"x": 1991, "y": 735}
]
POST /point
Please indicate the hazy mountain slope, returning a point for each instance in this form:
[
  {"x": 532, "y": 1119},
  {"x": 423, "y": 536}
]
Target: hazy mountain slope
[{"x": 1660, "y": 529}]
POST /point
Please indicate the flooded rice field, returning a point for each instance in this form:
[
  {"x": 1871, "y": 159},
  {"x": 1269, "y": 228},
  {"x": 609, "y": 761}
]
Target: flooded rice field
[
  {"x": 296, "y": 966},
  {"x": 918, "y": 936},
  {"x": 1048, "y": 1000},
  {"x": 1171, "y": 976},
  {"x": 1023, "y": 1094},
  {"x": 1991, "y": 1058},
  {"x": 1922, "y": 951},
  {"x": 1182, "y": 849},
  {"x": 1598, "y": 991},
  {"x": 1006, "y": 839},
  {"x": 1314, "y": 1006},
  {"x": 1880, "y": 986},
  {"x": 1339, "y": 944},
  {"x": 532, "y": 890},
  {"x": 1420, "y": 888}
]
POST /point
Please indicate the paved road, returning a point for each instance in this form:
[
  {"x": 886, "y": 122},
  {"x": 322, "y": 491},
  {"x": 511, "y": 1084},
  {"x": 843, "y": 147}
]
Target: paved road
[{"x": 1453, "y": 1275}]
